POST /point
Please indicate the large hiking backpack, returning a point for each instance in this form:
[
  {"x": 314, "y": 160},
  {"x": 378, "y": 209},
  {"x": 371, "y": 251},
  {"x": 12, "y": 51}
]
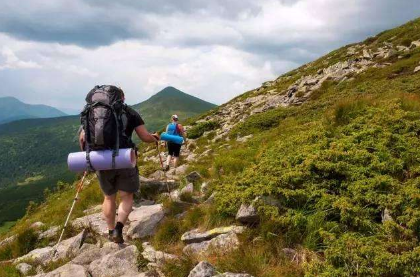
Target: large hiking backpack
[
  {"x": 173, "y": 129},
  {"x": 104, "y": 121}
]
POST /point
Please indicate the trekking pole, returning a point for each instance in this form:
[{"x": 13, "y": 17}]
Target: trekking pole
[
  {"x": 163, "y": 169},
  {"x": 78, "y": 190}
]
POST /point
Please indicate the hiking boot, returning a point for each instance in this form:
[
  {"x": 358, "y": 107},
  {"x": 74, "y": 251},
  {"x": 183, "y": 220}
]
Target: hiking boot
[
  {"x": 166, "y": 168},
  {"x": 117, "y": 236}
]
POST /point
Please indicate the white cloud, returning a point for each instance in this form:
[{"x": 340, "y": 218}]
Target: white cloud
[
  {"x": 13, "y": 62},
  {"x": 211, "y": 49}
]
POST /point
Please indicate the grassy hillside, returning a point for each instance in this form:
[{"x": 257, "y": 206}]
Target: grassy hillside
[
  {"x": 159, "y": 108},
  {"x": 12, "y": 109},
  {"x": 342, "y": 161},
  {"x": 34, "y": 151}
]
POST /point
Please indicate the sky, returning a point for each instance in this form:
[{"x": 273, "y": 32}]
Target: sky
[{"x": 54, "y": 52}]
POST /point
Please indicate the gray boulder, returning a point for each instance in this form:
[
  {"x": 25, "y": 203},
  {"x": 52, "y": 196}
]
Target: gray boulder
[
  {"x": 193, "y": 177},
  {"x": 7, "y": 240},
  {"x": 144, "y": 220},
  {"x": 155, "y": 185},
  {"x": 195, "y": 236},
  {"x": 24, "y": 268},
  {"x": 68, "y": 270},
  {"x": 415, "y": 44},
  {"x": 90, "y": 255},
  {"x": 247, "y": 214},
  {"x": 386, "y": 216},
  {"x": 40, "y": 255},
  {"x": 289, "y": 253},
  {"x": 116, "y": 264},
  {"x": 37, "y": 225},
  {"x": 70, "y": 247},
  {"x": 229, "y": 274},
  {"x": 53, "y": 231},
  {"x": 221, "y": 244},
  {"x": 203, "y": 269},
  {"x": 94, "y": 221},
  {"x": 157, "y": 257},
  {"x": 187, "y": 189}
]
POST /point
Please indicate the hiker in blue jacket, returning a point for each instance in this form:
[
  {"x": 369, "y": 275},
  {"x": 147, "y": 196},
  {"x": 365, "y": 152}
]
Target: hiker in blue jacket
[{"x": 176, "y": 129}]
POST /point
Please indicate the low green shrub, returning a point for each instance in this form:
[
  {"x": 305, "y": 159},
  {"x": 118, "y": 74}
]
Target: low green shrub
[
  {"x": 260, "y": 122},
  {"x": 198, "y": 130}
]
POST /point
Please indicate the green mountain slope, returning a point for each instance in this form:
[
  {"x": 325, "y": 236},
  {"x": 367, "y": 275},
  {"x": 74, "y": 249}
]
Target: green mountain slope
[
  {"x": 329, "y": 157},
  {"x": 34, "y": 151},
  {"x": 159, "y": 108},
  {"x": 12, "y": 109}
]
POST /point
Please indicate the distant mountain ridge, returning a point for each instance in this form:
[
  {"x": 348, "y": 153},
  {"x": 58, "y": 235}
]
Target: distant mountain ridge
[{"x": 12, "y": 109}]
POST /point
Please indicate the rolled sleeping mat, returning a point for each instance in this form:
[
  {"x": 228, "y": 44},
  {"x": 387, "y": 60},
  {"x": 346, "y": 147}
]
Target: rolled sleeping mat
[
  {"x": 172, "y": 138},
  {"x": 102, "y": 160}
]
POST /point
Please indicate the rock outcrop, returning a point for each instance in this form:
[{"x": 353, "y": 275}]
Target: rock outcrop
[
  {"x": 122, "y": 262},
  {"x": 144, "y": 220}
]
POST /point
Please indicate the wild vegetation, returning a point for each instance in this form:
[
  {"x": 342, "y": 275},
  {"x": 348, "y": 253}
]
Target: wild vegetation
[{"x": 344, "y": 168}]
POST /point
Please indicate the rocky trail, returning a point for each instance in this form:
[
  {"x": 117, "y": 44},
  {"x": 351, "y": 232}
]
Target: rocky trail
[{"x": 90, "y": 254}]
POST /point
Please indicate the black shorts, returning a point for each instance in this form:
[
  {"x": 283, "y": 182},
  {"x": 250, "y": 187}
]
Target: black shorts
[
  {"x": 174, "y": 149},
  {"x": 126, "y": 179}
]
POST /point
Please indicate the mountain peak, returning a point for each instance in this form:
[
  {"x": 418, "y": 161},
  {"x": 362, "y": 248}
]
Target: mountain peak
[{"x": 169, "y": 91}]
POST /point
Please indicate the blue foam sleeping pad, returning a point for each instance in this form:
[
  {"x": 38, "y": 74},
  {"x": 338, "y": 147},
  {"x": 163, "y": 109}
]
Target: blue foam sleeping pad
[{"x": 172, "y": 138}]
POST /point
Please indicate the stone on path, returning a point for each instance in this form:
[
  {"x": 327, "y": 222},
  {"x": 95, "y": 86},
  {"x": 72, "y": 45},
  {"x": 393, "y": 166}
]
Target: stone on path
[
  {"x": 187, "y": 189},
  {"x": 220, "y": 244},
  {"x": 247, "y": 214},
  {"x": 68, "y": 270},
  {"x": 203, "y": 269},
  {"x": 193, "y": 176},
  {"x": 37, "y": 225},
  {"x": 144, "y": 220},
  {"x": 116, "y": 264},
  {"x": 154, "y": 256},
  {"x": 194, "y": 236},
  {"x": 229, "y": 274},
  {"x": 39, "y": 255},
  {"x": 24, "y": 268},
  {"x": 69, "y": 247},
  {"x": 53, "y": 231},
  {"x": 94, "y": 221}
]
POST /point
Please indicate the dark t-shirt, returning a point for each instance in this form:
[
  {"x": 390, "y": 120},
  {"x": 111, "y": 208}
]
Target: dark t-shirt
[{"x": 133, "y": 121}]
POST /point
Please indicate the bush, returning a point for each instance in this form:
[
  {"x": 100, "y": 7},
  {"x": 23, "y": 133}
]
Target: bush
[
  {"x": 260, "y": 122},
  {"x": 198, "y": 130}
]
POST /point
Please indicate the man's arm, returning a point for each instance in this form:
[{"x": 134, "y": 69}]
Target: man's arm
[
  {"x": 82, "y": 139},
  {"x": 144, "y": 135}
]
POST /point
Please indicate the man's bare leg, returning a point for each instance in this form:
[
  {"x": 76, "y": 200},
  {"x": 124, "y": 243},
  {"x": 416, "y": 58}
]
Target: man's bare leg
[
  {"x": 125, "y": 207},
  {"x": 168, "y": 162},
  {"x": 176, "y": 162},
  {"x": 108, "y": 209}
]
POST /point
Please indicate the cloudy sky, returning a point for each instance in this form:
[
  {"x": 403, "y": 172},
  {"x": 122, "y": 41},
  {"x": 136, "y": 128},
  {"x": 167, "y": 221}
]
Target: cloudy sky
[{"x": 54, "y": 52}]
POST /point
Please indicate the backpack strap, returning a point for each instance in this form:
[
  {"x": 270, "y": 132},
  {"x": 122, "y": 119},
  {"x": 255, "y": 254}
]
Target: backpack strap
[{"x": 85, "y": 121}]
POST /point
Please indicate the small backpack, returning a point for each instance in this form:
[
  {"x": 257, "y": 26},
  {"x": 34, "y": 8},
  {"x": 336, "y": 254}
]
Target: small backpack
[
  {"x": 173, "y": 129},
  {"x": 104, "y": 121}
]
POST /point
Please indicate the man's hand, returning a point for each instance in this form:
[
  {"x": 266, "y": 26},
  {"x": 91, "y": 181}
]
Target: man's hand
[{"x": 156, "y": 136}]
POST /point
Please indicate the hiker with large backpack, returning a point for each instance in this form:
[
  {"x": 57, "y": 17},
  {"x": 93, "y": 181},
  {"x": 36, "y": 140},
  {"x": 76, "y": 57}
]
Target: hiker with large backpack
[
  {"x": 174, "y": 149},
  {"x": 108, "y": 124}
]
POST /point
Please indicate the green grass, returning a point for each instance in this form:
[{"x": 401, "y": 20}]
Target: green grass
[{"x": 5, "y": 227}]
